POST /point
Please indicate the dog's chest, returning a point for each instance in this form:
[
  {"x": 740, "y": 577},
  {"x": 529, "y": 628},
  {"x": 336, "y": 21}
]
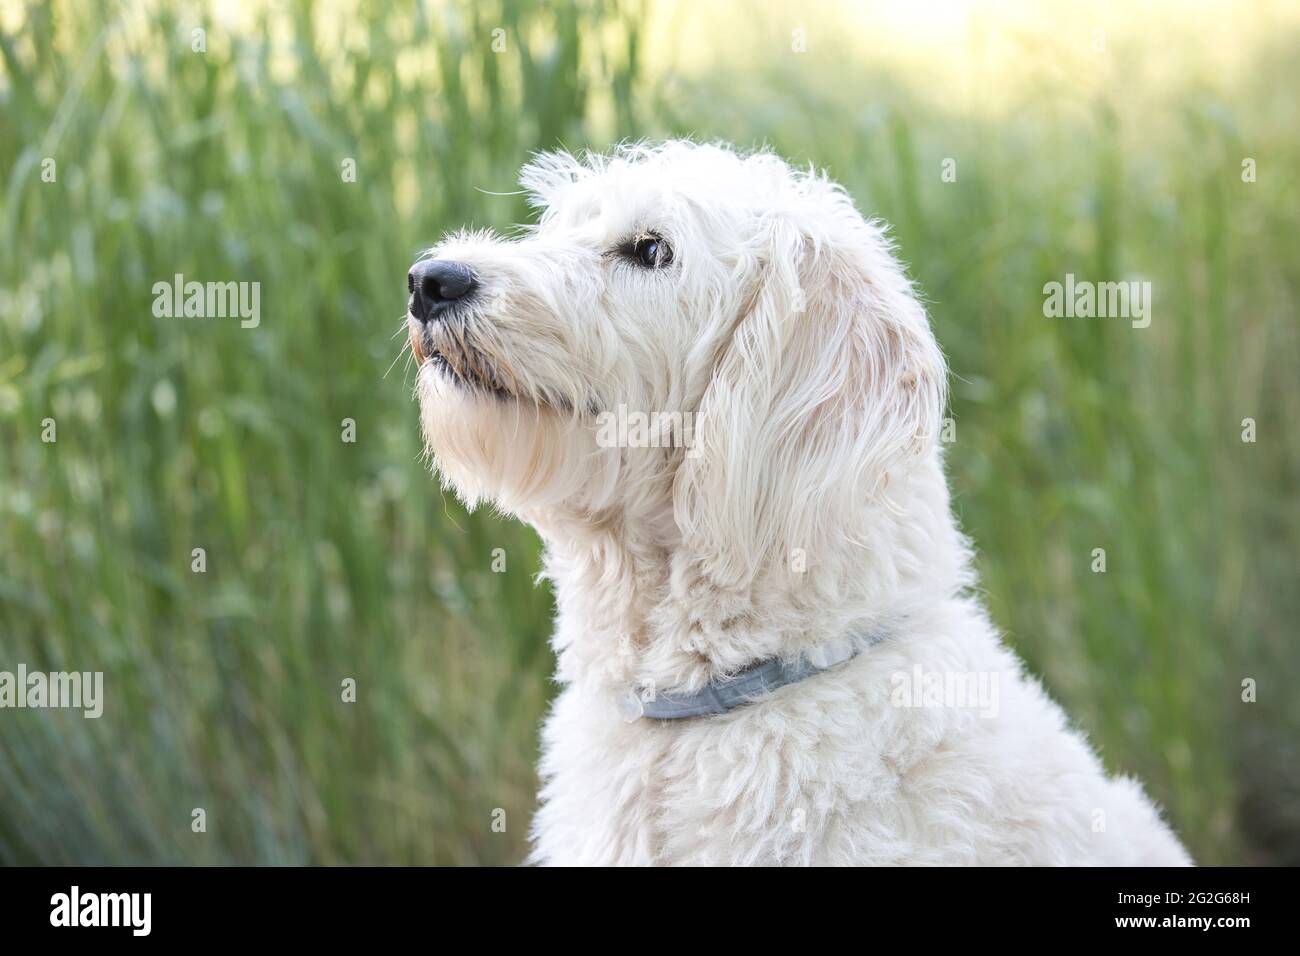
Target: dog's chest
[{"x": 756, "y": 787}]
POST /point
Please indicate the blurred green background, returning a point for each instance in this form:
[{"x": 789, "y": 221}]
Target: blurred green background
[{"x": 1105, "y": 140}]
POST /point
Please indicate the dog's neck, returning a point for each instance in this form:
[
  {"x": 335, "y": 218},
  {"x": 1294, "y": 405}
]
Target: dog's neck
[{"x": 635, "y": 606}]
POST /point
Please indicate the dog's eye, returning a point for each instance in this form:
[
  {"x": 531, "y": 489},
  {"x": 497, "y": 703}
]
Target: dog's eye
[{"x": 651, "y": 252}]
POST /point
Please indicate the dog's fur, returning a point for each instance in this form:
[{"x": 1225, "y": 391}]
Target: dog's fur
[{"x": 811, "y": 505}]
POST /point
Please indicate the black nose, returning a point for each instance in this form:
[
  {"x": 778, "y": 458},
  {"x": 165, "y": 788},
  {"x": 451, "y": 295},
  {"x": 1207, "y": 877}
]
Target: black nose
[{"x": 435, "y": 284}]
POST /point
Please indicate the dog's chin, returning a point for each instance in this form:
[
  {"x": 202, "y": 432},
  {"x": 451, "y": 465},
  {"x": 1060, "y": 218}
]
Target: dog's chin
[{"x": 520, "y": 455}]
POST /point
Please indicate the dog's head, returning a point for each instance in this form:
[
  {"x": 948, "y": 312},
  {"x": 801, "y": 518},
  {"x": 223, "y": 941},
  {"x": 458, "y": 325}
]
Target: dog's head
[{"x": 748, "y": 305}]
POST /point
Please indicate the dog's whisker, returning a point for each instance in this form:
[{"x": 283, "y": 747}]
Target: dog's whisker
[{"x": 405, "y": 349}]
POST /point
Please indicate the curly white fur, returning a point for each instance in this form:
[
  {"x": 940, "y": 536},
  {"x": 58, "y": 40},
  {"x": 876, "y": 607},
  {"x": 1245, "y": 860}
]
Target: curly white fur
[{"x": 812, "y": 505}]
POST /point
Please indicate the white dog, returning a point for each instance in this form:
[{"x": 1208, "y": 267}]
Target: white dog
[{"x": 776, "y": 587}]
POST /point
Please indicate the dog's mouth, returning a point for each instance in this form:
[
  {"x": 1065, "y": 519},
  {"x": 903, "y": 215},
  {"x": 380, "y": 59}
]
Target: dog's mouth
[
  {"x": 453, "y": 355},
  {"x": 466, "y": 374},
  {"x": 456, "y": 358}
]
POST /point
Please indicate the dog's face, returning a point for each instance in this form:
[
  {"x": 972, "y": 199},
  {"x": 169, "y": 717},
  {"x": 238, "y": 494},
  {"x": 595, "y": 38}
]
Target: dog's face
[{"x": 731, "y": 293}]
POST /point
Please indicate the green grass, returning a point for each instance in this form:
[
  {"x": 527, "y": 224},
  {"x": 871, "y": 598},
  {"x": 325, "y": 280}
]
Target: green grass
[{"x": 328, "y": 560}]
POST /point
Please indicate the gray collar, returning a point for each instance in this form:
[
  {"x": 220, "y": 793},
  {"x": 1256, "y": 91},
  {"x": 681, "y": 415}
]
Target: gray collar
[{"x": 743, "y": 687}]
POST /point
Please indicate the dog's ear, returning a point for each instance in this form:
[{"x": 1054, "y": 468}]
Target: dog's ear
[{"x": 830, "y": 387}]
